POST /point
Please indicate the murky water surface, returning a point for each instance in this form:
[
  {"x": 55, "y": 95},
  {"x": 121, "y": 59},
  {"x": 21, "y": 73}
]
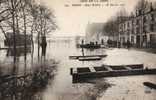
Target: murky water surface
[{"x": 48, "y": 78}]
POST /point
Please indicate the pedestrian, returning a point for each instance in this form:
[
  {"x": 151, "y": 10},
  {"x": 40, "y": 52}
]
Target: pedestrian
[
  {"x": 43, "y": 45},
  {"x": 82, "y": 42},
  {"x": 128, "y": 44}
]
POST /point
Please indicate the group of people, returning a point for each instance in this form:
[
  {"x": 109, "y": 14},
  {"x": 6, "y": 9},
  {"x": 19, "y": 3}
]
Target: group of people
[{"x": 113, "y": 43}]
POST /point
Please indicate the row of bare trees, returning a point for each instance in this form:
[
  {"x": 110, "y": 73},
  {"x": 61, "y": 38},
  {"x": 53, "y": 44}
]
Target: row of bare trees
[
  {"x": 25, "y": 17},
  {"x": 112, "y": 25}
]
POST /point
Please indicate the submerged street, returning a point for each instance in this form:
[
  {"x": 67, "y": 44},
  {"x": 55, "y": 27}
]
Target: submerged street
[
  {"x": 49, "y": 76},
  {"x": 77, "y": 50}
]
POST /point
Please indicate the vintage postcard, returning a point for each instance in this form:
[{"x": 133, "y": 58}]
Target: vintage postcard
[{"x": 77, "y": 49}]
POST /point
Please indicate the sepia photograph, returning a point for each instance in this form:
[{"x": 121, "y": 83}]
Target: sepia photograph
[{"x": 77, "y": 49}]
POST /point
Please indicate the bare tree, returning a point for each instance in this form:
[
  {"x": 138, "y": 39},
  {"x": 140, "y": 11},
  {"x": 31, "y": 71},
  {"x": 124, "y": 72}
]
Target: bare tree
[
  {"x": 111, "y": 27},
  {"x": 142, "y": 5},
  {"x": 25, "y": 16},
  {"x": 43, "y": 21}
]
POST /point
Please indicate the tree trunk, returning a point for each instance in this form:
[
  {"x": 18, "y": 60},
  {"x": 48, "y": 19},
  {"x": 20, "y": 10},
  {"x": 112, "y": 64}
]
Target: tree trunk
[{"x": 13, "y": 28}]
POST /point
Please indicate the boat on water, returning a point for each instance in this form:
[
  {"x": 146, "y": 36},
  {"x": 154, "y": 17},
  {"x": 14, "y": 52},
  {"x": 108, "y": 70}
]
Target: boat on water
[{"x": 90, "y": 46}]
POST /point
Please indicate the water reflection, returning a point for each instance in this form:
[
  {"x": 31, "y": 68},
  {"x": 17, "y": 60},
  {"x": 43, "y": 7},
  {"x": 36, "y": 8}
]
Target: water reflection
[
  {"x": 25, "y": 86},
  {"x": 40, "y": 77},
  {"x": 19, "y": 51},
  {"x": 25, "y": 80}
]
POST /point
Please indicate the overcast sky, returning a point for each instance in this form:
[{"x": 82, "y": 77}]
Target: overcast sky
[{"x": 73, "y": 20}]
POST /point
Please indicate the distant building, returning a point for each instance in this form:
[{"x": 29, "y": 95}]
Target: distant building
[{"x": 140, "y": 29}]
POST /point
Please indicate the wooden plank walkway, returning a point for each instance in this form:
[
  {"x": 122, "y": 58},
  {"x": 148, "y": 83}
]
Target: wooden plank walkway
[{"x": 109, "y": 71}]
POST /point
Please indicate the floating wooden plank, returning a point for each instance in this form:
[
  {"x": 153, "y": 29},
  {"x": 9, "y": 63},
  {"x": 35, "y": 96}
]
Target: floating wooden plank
[
  {"x": 89, "y": 58},
  {"x": 110, "y": 71},
  {"x": 77, "y": 57}
]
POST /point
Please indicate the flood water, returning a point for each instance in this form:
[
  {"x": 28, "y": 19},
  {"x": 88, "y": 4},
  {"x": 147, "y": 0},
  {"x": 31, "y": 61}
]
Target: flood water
[{"x": 49, "y": 76}]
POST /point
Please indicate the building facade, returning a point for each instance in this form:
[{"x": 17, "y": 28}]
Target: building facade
[{"x": 139, "y": 29}]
